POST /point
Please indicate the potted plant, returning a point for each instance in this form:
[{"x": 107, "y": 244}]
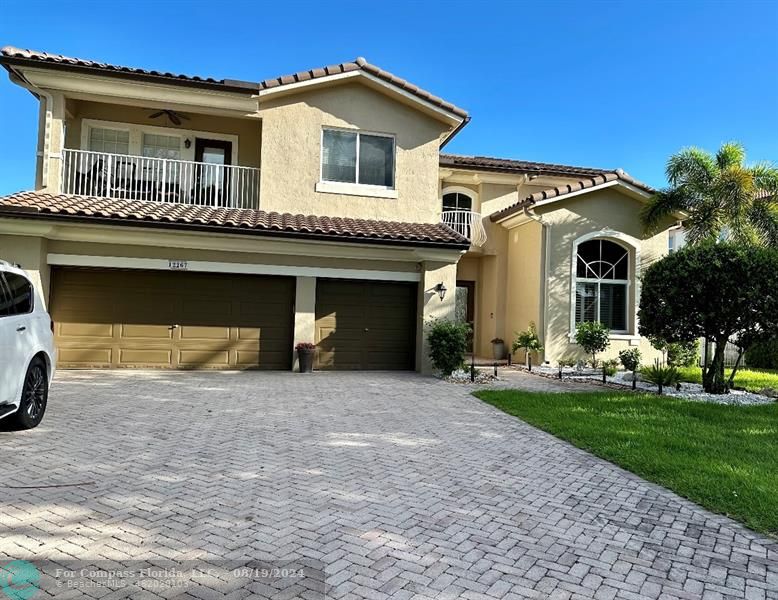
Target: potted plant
[
  {"x": 498, "y": 348},
  {"x": 305, "y": 352}
]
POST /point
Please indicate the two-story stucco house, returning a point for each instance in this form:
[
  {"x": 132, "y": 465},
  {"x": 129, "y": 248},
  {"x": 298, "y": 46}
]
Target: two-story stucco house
[{"x": 187, "y": 222}]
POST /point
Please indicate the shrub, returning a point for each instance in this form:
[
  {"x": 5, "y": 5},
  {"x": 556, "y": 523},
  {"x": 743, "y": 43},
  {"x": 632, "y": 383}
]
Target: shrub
[
  {"x": 610, "y": 367},
  {"x": 763, "y": 355},
  {"x": 593, "y": 337},
  {"x": 630, "y": 359},
  {"x": 448, "y": 344},
  {"x": 528, "y": 340},
  {"x": 661, "y": 375},
  {"x": 683, "y": 354},
  {"x": 567, "y": 361}
]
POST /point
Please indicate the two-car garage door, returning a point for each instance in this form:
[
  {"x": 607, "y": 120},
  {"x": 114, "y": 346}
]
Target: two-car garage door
[
  {"x": 160, "y": 319},
  {"x": 109, "y": 318}
]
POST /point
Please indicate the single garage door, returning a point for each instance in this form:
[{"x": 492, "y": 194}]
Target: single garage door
[
  {"x": 171, "y": 320},
  {"x": 365, "y": 325}
]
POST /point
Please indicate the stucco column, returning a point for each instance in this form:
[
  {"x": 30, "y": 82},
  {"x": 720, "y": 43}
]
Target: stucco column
[
  {"x": 53, "y": 143},
  {"x": 430, "y": 306},
  {"x": 304, "y": 313}
]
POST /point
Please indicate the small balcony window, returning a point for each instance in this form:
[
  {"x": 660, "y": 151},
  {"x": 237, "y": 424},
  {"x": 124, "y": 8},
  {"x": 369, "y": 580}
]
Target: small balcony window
[
  {"x": 359, "y": 158},
  {"x": 114, "y": 141}
]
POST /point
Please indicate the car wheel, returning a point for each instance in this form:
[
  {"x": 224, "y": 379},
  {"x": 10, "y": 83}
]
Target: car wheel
[{"x": 35, "y": 394}]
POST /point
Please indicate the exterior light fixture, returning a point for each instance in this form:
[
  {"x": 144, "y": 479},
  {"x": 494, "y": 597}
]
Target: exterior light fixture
[
  {"x": 441, "y": 290},
  {"x": 187, "y": 143}
]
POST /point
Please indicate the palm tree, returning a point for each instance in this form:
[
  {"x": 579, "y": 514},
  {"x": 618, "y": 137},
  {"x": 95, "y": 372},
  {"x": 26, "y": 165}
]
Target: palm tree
[{"x": 721, "y": 196}]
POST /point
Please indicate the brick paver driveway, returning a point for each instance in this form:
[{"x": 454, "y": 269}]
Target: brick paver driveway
[{"x": 402, "y": 487}]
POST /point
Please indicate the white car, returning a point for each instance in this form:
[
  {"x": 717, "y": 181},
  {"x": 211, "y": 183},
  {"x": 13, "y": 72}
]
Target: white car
[{"x": 27, "y": 354}]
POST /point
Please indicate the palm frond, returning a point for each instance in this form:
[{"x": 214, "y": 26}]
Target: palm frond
[
  {"x": 765, "y": 176},
  {"x": 706, "y": 221},
  {"x": 691, "y": 167},
  {"x": 663, "y": 205},
  {"x": 731, "y": 154},
  {"x": 763, "y": 215}
]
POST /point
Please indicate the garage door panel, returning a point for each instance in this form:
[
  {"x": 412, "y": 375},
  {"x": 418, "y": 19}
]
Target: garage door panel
[
  {"x": 145, "y": 356},
  {"x": 116, "y": 318},
  {"x": 365, "y": 325},
  {"x": 84, "y": 330},
  {"x": 204, "y": 358},
  {"x": 84, "y": 358},
  {"x": 149, "y": 332},
  {"x": 193, "y": 332}
]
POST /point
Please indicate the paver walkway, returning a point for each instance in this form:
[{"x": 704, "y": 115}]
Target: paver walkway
[{"x": 399, "y": 485}]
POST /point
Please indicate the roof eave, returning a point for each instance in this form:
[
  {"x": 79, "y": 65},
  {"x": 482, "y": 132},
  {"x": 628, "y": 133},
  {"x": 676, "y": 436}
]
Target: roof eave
[
  {"x": 13, "y": 62},
  {"x": 33, "y": 213}
]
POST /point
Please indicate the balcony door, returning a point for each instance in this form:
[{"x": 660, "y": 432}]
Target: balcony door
[
  {"x": 212, "y": 185},
  {"x": 458, "y": 206}
]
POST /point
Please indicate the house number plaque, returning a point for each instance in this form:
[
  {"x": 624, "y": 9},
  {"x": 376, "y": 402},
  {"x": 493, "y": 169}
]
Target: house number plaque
[{"x": 178, "y": 265}]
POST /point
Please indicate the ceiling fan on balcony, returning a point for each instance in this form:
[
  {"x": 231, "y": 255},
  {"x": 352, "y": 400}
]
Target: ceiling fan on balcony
[{"x": 175, "y": 117}]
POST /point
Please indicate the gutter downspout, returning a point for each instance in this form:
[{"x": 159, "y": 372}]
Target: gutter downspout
[
  {"x": 49, "y": 104},
  {"x": 544, "y": 275}
]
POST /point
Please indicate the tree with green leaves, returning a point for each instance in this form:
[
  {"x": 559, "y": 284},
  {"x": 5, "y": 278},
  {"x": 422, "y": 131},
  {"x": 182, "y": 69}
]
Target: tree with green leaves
[
  {"x": 721, "y": 196},
  {"x": 593, "y": 337},
  {"x": 723, "y": 292},
  {"x": 529, "y": 340}
]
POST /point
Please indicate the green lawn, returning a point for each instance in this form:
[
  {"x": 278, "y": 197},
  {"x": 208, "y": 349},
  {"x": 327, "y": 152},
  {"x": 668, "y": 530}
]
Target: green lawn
[
  {"x": 753, "y": 380},
  {"x": 724, "y": 458}
]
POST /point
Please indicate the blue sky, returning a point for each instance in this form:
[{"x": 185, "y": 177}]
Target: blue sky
[{"x": 606, "y": 84}]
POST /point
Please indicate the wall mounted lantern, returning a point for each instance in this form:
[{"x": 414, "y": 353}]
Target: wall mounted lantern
[{"x": 441, "y": 290}]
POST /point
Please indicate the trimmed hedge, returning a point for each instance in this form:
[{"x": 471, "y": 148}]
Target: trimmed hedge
[{"x": 763, "y": 355}]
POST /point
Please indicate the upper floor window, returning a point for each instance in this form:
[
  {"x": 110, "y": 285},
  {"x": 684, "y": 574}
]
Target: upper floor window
[
  {"x": 457, "y": 201},
  {"x": 355, "y": 157},
  {"x": 601, "y": 284},
  {"x": 161, "y": 146},
  {"x": 114, "y": 141}
]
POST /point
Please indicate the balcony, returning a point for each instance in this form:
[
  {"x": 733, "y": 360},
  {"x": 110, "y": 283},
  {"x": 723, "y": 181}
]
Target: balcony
[
  {"x": 466, "y": 223},
  {"x": 128, "y": 177}
]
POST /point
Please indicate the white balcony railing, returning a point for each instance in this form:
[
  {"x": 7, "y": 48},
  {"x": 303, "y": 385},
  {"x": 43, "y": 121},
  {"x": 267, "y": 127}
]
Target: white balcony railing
[
  {"x": 159, "y": 179},
  {"x": 466, "y": 223}
]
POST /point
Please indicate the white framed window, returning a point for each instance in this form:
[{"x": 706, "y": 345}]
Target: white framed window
[
  {"x": 104, "y": 139},
  {"x": 602, "y": 278},
  {"x": 161, "y": 146},
  {"x": 358, "y": 158}
]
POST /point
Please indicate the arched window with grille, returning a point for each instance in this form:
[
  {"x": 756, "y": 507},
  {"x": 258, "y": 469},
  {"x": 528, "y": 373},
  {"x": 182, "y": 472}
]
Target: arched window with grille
[
  {"x": 457, "y": 208},
  {"x": 602, "y": 275}
]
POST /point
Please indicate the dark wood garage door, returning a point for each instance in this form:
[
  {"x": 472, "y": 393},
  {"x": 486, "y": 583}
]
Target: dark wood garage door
[
  {"x": 365, "y": 325},
  {"x": 171, "y": 320}
]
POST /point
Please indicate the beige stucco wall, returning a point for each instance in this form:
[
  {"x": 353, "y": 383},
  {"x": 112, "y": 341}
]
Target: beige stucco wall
[
  {"x": 29, "y": 252},
  {"x": 291, "y": 153},
  {"x": 249, "y": 130},
  {"x": 523, "y": 289},
  {"x": 430, "y": 306},
  {"x": 569, "y": 220}
]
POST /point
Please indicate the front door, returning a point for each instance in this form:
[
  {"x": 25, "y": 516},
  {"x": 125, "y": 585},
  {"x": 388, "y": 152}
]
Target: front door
[
  {"x": 465, "y": 307},
  {"x": 212, "y": 185}
]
